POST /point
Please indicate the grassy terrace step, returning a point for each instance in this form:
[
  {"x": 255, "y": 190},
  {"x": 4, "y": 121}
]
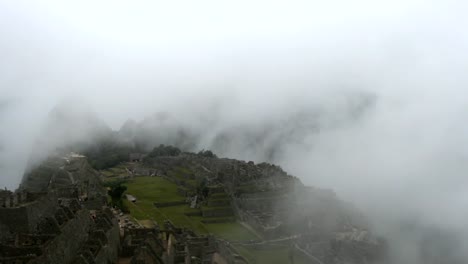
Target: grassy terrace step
[
  {"x": 277, "y": 256},
  {"x": 168, "y": 204},
  {"x": 216, "y": 189},
  {"x": 218, "y": 220},
  {"x": 194, "y": 213},
  {"x": 184, "y": 177},
  {"x": 205, "y": 207},
  {"x": 218, "y": 202},
  {"x": 222, "y": 195},
  {"x": 251, "y": 188},
  {"x": 217, "y": 211},
  {"x": 181, "y": 173}
]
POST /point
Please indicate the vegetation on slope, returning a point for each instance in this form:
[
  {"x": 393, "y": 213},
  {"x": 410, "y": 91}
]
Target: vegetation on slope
[
  {"x": 107, "y": 153},
  {"x": 149, "y": 190},
  {"x": 153, "y": 189}
]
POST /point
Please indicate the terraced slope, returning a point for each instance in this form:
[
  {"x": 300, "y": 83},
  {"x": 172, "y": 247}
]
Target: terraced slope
[{"x": 268, "y": 215}]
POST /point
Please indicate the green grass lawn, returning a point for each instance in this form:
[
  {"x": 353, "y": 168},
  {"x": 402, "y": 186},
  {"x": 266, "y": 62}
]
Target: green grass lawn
[
  {"x": 272, "y": 256},
  {"x": 179, "y": 173},
  {"x": 115, "y": 171},
  {"x": 107, "y": 173},
  {"x": 153, "y": 189},
  {"x": 182, "y": 174},
  {"x": 232, "y": 231},
  {"x": 148, "y": 190}
]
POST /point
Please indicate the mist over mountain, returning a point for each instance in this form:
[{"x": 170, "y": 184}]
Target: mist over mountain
[
  {"x": 294, "y": 135},
  {"x": 259, "y": 139},
  {"x": 366, "y": 98},
  {"x": 70, "y": 123}
]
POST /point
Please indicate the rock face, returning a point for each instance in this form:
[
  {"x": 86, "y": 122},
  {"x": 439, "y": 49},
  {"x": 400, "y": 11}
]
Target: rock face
[
  {"x": 274, "y": 204},
  {"x": 62, "y": 172},
  {"x": 264, "y": 139}
]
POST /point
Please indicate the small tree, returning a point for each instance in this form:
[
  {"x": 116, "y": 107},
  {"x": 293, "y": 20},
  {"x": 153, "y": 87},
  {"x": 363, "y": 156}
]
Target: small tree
[
  {"x": 116, "y": 191},
  {"x": 203, "y": 188}
]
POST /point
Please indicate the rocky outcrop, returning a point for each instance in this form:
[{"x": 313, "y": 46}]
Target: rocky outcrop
[{"x": 62, "y": 172}]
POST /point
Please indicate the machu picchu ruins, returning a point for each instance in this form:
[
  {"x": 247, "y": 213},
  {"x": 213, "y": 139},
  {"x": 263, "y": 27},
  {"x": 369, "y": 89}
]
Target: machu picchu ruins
[{"x": 61, "y": 213}]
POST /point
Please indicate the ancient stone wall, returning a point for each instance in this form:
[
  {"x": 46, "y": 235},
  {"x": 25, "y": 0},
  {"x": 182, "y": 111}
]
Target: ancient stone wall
[
  {"x": 64, "y": 247},
  {"x": 228, "y": 253},
  {"x": 95, "y": 203},
  {"x": 110, "y": 251},
  {"x": 24, "y": 218},
  {"x": 43, "y": 207},
  {"x": 14, "y": 220}
]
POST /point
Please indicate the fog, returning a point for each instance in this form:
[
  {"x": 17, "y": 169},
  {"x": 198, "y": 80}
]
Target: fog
[{"x": 367, "y": 98}]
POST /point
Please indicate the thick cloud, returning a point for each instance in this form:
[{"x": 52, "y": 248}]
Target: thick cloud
[{"x": 365, "y": 97}]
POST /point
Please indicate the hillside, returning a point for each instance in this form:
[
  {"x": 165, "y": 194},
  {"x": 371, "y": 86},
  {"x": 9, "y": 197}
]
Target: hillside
[
  {"x": 255, "y": 211},
  {"x": 258, "y": 208}
]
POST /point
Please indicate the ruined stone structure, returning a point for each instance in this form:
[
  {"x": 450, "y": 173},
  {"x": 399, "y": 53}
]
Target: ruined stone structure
[
  {"x": 59, "y": 216},
  {"x": 49, "y": 228},
  {"x": 274, "y": 204},
  {"x": 174, "y": 245},
  {"x": 62, "y": 172},
  {"x": 136, "y": 157}
]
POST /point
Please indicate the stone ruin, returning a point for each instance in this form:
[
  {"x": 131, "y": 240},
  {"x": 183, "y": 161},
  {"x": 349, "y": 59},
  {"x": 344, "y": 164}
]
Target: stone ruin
[
  {"x": 141, "y": 245},
  {"x": 67, "y": 221},
  {"x": 49, "y": 228},
  {"x": 59, "y": 215},
  {"x": 277, "y": 206}
]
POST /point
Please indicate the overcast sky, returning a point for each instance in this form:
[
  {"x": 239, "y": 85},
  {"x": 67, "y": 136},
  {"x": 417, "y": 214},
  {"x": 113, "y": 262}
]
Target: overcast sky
[{"x": 130, "y": 59}]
